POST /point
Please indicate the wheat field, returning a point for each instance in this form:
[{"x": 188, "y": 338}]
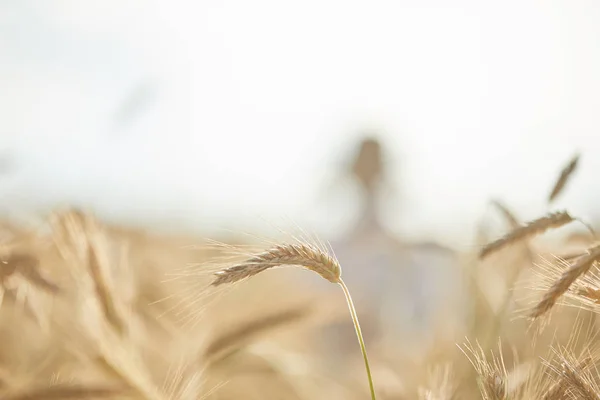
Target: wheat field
[{"x": 90, "y": 310}]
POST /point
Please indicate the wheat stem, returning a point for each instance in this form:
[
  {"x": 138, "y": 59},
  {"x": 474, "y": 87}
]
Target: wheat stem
[
  {"x": 588, "y": 227},
  {"x": 359, "y": 335}
]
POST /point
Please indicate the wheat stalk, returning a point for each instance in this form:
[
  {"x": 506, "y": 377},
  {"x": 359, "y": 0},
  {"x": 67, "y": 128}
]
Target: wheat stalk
[
  {"x": 563, "y": 178},
  {"x": 540, "y": 225},
  {"x": 306, "y": 256},
  {"x": 580, "y": 267}
]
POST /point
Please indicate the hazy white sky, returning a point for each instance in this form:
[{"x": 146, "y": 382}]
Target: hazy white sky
[{"x": 250, "y": 104}]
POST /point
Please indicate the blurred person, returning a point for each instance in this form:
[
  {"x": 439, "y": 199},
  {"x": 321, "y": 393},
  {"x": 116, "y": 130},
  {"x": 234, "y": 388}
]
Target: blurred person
[{"x": 398, "y": 287}]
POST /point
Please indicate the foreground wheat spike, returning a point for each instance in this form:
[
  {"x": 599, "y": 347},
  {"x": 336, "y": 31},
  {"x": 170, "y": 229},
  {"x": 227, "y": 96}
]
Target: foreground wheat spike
[
  {"x": 309, "y": 257},
  {"x": 300, "y": 254},
  {"x": 575, "y": 380},
  {"x": 540, "y": 225},
  {"x": 578, "y": 384},
  {"x": 580, "y": 267},
  {"x": 492, "y": 374},
  {"x": 563, "y": 178},
  {"x": 568, "y": 378}
]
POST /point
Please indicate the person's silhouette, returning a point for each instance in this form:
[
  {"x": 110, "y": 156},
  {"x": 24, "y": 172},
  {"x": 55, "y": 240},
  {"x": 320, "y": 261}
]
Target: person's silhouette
[{"x": 397, "y": 286}]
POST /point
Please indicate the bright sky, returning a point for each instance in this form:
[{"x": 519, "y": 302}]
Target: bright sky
[{"x": 251, "y": 103}]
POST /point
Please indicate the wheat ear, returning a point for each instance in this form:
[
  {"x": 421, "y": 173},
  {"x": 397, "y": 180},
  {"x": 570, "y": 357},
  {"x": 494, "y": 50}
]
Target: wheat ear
[
  {"x": 563, "y": 178},
  {"x": 540, "y": 225},
  {"x": 558, "y": 389},
  {"x": 306, "y": 256},
  {"x": 580, "y": 267},
  {"x": 300, "y": 254}
]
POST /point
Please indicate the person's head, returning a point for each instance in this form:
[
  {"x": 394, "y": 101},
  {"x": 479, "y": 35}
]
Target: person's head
[{"x": 368, "y": 164}]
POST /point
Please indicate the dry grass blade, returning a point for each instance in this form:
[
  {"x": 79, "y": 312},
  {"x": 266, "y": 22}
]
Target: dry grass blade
[
  {"x": 300, "y": 254},
  {"x": 567, "y": 278},
  {"x": 103, "y": 291},
  {"x": 565, "y": 174},
  {"x": 88, "y": 240},
  {"x": 540, "y": 225},
  {"x": 243, "y": 333},
  {"x": 66, "y": 392}
]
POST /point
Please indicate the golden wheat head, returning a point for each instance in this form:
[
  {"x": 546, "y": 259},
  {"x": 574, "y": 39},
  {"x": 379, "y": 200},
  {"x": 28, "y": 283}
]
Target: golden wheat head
[
  {"x": 563, "y": 178},
  {"x": 569, "y": 376},
  {"x": 580, "y": 267},
  {"x": 540, "y": 225},
  {"x": 304, "y": 255}
]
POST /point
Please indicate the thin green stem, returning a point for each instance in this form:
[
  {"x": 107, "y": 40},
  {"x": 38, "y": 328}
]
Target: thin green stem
[{"x": 359, "y": 335}]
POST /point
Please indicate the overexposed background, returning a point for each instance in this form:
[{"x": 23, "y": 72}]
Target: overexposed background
[{"x": 206, "y": 114}]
